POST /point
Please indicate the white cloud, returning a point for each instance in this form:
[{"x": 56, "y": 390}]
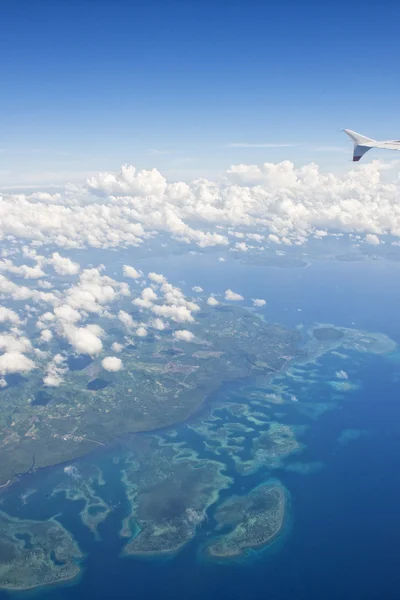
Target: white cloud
[
  {"x": 157, "y": 278},
  {"x": 141, "y": 331},
  {"x": 157, "y": 323},
  {"x": 197, "y": 289},
  {"x": 83, "y": 340},
  {"x": 372, "y": 239},
  {"x": 232, "y": 296},
  {"x": 183, "y": 335},
  {"x": 262, "y": 145},
  {"x": 179, "y": 314},
  {"x": 6, "y": 314},
  {"x": 258, "y": 302},
  {"x": 131, "y": 272},
  {"x": 211, "y": 301},
  {"x": 22, "y": 270},
  {"x": 13, "y": 342},
  {"x": 15, "y": 362},
  {"x": 46, "y": 335},
  {"x": 126, "y": 319},
  {"x": 67, "y": 314},
  {"x": 55, "y": 371},
  {"x": 286, "y": 204},
  {"x": 111, "y": 363},
  {"x": 116, "y": 347},
  {"x": 63, "y": 265}
]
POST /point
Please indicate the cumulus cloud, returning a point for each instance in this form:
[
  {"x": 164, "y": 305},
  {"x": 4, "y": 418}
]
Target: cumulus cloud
[
  {"x": 157, "y": 278},
  {"x": 211, "y": 301},
  {"x": 111, "y": 363},
  {"x": 117, "y": 347},
  {"x": 131, "y": 272},
  {"x": 258, "y": 302},
  {"x": 83, "y": 340},
  {"x": 372, "y": 239},
  {"x": 95, "y": 291},
  {"x": 24, "y": 271},
  {"x": 15, "y": 362},
  {"x": 54, "y": 371},
  {"x": 63, "y": 265},
  {"x": 126, "y": 319},
  {"x": 183, "y": 335},
  {"x": 197, "y": 289},
  {"x": 6, "y": 314},
  {"x": 157, "y": 323},
  {"x": 141, "y": 331},
  {"x": 179, "y": 314},
  {"x": 232, "y": 296},
  {"x": 283, "y": 203},
  {"x": 46, "y": 335}
]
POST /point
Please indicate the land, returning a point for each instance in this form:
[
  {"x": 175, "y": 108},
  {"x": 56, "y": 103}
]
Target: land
[
  {"x": 163, "y": 383},
  {"x": 255, "y": 520},
  {"x": 35, "y": 553},
  {"x": 170, "y": 490}
]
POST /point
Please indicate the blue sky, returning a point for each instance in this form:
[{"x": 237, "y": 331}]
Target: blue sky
[{"x": 89, "y": 85}]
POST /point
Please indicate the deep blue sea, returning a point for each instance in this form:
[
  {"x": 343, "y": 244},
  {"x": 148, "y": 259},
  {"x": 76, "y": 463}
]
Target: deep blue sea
[{"x": 342, "y": 536}]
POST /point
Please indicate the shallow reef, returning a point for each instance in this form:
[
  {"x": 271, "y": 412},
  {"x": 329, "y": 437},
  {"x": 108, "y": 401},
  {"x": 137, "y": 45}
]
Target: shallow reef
[{"x": 81, "y": 483}]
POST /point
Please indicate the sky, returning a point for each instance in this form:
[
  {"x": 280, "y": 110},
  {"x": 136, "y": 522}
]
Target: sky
[{"x": 191, "y": 87}]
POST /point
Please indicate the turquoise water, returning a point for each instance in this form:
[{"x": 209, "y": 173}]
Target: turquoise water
[{"x": 341, "y": 537}]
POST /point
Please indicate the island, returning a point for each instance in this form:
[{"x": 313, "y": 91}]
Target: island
[
  {"x": 170, "y": 490},
  {"x": 163, "y": 382},
  {"x": 254, "y": 521},
  {"x": 35, "y": 553}
]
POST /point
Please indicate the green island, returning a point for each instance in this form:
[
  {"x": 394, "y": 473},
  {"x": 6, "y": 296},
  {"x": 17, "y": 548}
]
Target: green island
[
  {"x": 170, "y": 489},
  {"x": 254, "y": 519},
  {"x": 35, "y": 553},
  {"x": 162, "y": 383}
]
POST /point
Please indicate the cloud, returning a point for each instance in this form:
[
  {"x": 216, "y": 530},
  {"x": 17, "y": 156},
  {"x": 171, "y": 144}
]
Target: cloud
[
  {"x": 262, "y": 145},
  {"x": 183, "y": 335},
  {"x": 179, "y": 314},
  {"x": 157, "y": 278},
  {"x": 55, "y": 371},
  {"x": 372, "y": 239},
  {"x": 83, "y": 340},
  {"x": 233, "y": 296},
  {"x": 15, "y": 362},
  {"x": 67, "y": 314},
  {"x": 141, "y": 331},
  {"x": 22, "y": 270},
  {"x": 116, "y": 347},
  {"x": 282, "y": 202},
  {"x": 6, "y": 314},
  {"x": 111, "y": 363},
  {"x": 211, "y": 301},
  {"x": 126, "y": 319},
  {"x": 46, "y": 335},
  {"x": 157, "y": 324},
  {"x": 258, "y": 302},
  {"x": 63, "y": 265},
  {"x": 197, "y": 289},
  {"x": 131, "y": 272}
]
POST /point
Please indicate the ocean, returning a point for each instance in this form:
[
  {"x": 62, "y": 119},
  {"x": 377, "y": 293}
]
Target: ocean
[{"x": 341, "y": 537}]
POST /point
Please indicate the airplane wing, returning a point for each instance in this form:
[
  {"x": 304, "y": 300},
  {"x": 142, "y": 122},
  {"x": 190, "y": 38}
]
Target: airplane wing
[
  {"x": 362, "y": 144},
  {"x": 389, "y": 145},
  {"x": 359, "y": 152}
]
